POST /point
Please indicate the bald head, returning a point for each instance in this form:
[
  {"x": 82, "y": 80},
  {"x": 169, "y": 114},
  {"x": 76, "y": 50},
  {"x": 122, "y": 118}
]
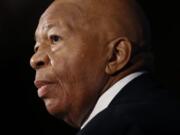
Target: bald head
[{"x": 114, "y": 18}]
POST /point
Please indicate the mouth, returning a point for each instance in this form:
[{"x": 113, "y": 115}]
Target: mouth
[{"x": 43, "y": 87}]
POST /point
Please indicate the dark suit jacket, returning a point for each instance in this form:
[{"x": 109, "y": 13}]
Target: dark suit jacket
[{"x": 140, "y": 108}]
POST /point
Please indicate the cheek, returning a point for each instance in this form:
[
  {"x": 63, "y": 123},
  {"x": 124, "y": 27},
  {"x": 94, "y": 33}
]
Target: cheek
[
  {"x": 66, "y": 65},
  {"x": 80, "y": 79},
  {"x": 73, "y": 78},
  {"x": 64, "y": 69}
]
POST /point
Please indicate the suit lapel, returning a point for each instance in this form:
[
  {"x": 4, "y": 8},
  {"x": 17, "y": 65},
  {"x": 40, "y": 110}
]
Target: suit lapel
[{"x": 137, "y": 90}]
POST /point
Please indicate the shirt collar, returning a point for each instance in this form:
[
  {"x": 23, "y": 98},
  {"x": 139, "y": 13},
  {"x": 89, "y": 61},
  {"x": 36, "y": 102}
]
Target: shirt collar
[{"x": 106, "y": 98}]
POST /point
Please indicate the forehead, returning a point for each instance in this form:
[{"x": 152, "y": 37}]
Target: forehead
[
  {"x": 62, "y": 12},
  {"x": 69, "y": 17},
  {"x": 62, "y": 17}
]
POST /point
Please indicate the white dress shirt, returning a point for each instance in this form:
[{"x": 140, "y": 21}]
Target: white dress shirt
[{"x": 106, "y": 98}]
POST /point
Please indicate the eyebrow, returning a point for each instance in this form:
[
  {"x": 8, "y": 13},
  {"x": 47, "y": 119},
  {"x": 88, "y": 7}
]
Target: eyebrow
[{"x": 45, "y": 28}]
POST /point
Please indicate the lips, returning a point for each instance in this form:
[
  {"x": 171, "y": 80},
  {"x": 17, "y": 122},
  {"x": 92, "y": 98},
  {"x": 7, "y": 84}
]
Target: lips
[{"x": 43, "y": 87}]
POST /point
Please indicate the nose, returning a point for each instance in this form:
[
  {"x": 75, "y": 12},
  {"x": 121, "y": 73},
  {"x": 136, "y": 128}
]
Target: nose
[{"x": 39, "y": 60}]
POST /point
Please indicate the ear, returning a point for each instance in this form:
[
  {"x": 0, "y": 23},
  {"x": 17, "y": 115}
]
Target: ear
[{"x": 119, "y": 55}]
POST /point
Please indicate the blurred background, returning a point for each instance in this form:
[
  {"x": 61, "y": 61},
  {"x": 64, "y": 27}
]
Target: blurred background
[{"x": 20, "y": 106}]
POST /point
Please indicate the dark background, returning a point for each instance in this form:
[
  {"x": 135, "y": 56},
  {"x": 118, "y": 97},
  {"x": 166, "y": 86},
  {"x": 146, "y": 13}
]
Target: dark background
[{"x": 21, "y": 110}]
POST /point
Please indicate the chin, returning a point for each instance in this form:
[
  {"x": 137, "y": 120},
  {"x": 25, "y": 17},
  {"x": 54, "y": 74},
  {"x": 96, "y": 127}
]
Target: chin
[
  {"x": 60, "y": 111},
  {"x": 54, "y": 108}
]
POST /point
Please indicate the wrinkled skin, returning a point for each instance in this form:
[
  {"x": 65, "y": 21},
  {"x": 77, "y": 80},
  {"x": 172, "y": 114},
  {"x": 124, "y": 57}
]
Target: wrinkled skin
[{"x": 76, "y": 57}]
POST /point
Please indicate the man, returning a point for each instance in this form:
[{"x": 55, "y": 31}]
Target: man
[{"x": 91, "y": 60}]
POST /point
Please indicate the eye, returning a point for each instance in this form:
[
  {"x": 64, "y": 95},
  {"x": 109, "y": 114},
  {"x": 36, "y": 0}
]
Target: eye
[
  {"x": 55, "y": 39},
  {"x": 36, "y": 48}
]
